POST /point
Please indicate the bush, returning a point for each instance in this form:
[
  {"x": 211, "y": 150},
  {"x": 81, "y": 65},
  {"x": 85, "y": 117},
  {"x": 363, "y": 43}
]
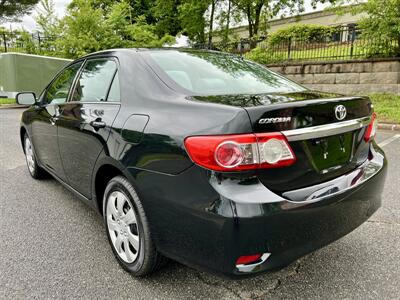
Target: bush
[
  {"x": 265, "y": 56},
  {"x": 303, "y": 32}
]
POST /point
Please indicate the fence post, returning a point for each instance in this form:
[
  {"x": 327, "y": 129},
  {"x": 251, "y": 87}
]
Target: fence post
[
  {"x": 5, "y": 42},
  {"x": 40, "y": 48},
  {"x": 353, "y": 35},
  {"x": 289, "y": 48}
]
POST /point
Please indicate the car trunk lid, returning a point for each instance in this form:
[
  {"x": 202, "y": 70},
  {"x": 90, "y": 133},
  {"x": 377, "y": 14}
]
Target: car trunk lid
[{"x": 324, "y": 130}]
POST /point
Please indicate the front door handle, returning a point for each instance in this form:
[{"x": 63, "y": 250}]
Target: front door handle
[
  {"x": 53, "y": 120},
  {"x": 55, "y": 117},
  {"x": 98, "y": 124}
]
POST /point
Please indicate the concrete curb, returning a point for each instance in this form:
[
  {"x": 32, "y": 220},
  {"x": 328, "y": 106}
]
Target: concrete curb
[
  {"x": 13, "y": 106},
  {"x": 387, "y": 126}
]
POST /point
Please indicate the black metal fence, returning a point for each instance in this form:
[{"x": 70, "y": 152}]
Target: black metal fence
[
  {"x": 26, "y": 43},
  {"x": 342, "y": 43}
]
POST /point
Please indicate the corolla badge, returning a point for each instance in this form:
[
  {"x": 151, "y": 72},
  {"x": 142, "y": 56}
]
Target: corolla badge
[
  {"x": 275, "y": 120},
  {"x": 340, "y": 112}
]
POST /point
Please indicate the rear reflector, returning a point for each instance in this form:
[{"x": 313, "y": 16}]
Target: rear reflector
[
  {"x": 371, "y": 129},
  {"x": 248, "y": 259},
  {"x": 240, "y": 152}
]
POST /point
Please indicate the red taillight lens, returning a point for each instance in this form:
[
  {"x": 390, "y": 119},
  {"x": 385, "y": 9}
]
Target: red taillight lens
[
  {"x": 248, "y": 259},
  {"x": 229, "y": 154},
  {"x": 371, "y": 129},
  {"x": 240, "y": 152}
]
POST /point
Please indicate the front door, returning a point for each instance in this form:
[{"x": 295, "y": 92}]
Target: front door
[
  {"x": 44, "y": 129},
  {"x": 85, "y": 121}
]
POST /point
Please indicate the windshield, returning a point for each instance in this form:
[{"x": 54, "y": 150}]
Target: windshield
[{"x": 212, "y": 73}]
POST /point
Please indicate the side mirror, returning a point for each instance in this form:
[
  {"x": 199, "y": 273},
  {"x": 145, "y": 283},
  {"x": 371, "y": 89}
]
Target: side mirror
[{"x": 26, "y": 98}]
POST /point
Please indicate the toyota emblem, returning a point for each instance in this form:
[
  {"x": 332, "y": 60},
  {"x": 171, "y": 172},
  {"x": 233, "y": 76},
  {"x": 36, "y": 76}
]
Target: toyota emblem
[{"x": 340, "y": 112}]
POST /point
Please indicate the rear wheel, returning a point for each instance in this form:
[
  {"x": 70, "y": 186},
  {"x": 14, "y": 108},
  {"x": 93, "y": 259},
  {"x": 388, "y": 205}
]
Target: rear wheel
[
  {"x": 31, "y": 161},
  {"x": 128, "y": 229}
]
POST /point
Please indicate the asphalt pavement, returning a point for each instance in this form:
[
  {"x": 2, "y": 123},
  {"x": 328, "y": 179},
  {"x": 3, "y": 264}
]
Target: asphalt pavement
[{"x": 54, "y": 246}]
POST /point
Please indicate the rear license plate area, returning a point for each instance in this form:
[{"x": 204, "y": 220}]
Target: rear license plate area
[{"x": 330, "y": 152}]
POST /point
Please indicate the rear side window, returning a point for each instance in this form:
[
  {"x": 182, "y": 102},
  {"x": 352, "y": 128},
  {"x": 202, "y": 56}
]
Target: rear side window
[
  {"x": 57, "y": 92},
  {"x": 210, "y": 73},
  {"x": 95, "y": 80}
]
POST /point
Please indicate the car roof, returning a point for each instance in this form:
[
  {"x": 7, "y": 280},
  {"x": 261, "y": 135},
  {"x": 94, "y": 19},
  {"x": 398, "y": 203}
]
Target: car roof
[{"x": 180, "y": 49}]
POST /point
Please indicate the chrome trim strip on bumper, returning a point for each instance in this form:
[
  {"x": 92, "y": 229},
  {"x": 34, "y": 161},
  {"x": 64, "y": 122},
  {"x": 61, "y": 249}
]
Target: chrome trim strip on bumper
[
  {"x": 338, "y": 185},
  {"x": 326, "y": 130},
  {"x": 251, "y": 267},
  {"x": 258, "y": 193}
]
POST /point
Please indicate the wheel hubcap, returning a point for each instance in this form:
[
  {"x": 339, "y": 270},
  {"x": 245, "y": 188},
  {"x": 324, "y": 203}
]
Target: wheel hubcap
[
  {"x": 122, "y": 226},
  {"x": 30, "y": 158}
]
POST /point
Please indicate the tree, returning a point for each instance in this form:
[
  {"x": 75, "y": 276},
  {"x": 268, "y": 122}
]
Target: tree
[
  {"x": 193, "y": 22},
  {"x": 211, "y": 22},
  {"x": 13, "y": 9},
  {"x": 81, "y": 30},
  {"x": 257, "y": 10},
  {"x": 380, "y": 24},
  {"x": 88, "y": 28},
  {"x": 166, "y": 14},
  {"x": 46, "y": 18}
]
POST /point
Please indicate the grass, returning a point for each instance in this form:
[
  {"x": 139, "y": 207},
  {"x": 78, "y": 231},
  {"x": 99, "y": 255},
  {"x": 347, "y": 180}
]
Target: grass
[
  {"x": 7, "y": 101},
  {"x": 387, "y": 107}
]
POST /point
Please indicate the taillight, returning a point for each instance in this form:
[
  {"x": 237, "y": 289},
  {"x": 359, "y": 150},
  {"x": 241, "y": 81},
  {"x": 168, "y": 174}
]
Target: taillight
[
  {"x": 240, "y": 152},
  {"x": 371, "y": 129}
]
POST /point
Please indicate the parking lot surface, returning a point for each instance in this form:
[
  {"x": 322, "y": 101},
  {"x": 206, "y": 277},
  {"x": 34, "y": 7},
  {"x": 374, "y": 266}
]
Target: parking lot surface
[{"x": 54, "y": 246}]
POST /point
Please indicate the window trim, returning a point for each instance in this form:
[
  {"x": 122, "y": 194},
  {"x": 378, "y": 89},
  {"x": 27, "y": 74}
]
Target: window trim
[
  {"x": 77, "y": 77},
  {"x": 109, "y": 88},
  {"x": 44, "y": 92}
]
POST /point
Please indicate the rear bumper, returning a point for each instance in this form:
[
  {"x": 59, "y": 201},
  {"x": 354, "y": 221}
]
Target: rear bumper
[
  {"x": 289, "y": 231},
  {"x": 201, "y": 226}
]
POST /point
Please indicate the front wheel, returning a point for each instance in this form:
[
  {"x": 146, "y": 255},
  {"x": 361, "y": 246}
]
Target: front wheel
[
  {"x": 128, "y": 229},
  {"x": 31, "y": 161}
]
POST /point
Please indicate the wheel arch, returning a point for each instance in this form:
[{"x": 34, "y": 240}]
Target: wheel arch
[
  {"x": 22, "y": 132},
  {"x": 105, "y": 170}
]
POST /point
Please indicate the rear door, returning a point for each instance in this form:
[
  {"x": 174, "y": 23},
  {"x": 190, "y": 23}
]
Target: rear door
[{"x": 84, "y": 123}]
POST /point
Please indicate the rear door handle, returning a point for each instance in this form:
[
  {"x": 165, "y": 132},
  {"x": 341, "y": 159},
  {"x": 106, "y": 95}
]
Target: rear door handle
[{"x": 98, "y": 124}]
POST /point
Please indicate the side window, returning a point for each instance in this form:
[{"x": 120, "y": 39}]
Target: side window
[
  {"x": 94, "y": 80},
  {"x": 114, "y": 93},
  {"x": 57, "y": 92}
]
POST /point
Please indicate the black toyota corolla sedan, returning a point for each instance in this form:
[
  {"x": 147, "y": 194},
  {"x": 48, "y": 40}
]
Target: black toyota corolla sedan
[{"x": 205, "y": 158}]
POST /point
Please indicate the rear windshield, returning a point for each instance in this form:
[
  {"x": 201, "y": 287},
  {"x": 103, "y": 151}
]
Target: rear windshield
[{"x": 211, "y": 73}]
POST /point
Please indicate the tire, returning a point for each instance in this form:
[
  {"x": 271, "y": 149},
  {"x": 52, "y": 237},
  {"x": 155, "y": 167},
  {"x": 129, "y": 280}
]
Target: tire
[
  {"x": 128, "y": 230},
  {"x": 31, "y": 160}
]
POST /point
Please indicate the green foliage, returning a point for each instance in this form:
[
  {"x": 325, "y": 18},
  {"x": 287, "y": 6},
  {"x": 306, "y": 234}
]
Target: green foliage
[
  {"x": 387, "y": 107},
  {"x": 167, "y": 17},
  {"x": 191, "y": 16},
  {"x": 82, "y": 30},
  {"x": 265, "y": 56},
  {"x": 258, "y": 12},
  {"x": 25, "y": 40},
  {"x": 380, "y": 23},
  {"x": 87, "y": 28},
  {"x": 4, "y": 101},
  {"x": 303, "y": 32},
  {"x": 13, "y": 9}
]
